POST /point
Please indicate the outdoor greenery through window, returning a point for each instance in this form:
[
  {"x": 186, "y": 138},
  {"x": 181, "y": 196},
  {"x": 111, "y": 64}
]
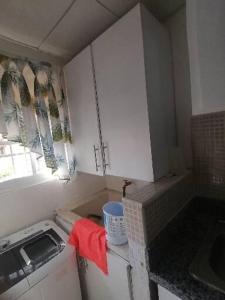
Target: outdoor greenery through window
[{"x": 18, "y": 161}]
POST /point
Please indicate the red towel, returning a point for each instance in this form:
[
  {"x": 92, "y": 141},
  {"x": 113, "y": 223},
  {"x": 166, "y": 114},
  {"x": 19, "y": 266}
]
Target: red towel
[{"x": 90, "y": 242}]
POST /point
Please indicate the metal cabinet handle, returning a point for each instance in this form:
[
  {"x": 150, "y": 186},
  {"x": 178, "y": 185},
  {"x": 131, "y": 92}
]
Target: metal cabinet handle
[
  {"x": 106, "y": 164},
  {"x": 82, "y": 264},
  {"x": 97, "y": 166}
]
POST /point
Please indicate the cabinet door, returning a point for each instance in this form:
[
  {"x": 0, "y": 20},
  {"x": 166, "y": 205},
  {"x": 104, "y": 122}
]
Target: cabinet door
[
  {"x": 32, "y": 294},
  {"x": 80, "y": 90},
  {"x": 115, "y": 286},
  {"x": 121, "y": 86},
  {"x": 165, "y": 294},
  {"x": 62, "y": 284}
]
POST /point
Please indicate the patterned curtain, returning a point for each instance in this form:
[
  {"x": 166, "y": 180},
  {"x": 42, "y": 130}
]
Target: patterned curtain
[{"x": 33, "y": 112}]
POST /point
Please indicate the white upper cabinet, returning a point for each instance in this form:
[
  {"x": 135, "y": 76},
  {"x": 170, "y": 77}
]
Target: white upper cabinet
[
  {"x": 80, "y": 90},
  {"x": 133, "y": 94},
  {"x": 134, "y": 87},
  {"x": 121, "y": 86}
]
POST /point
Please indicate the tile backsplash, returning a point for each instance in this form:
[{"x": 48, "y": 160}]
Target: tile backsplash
[
  {"x": 208, "y": 143},
  {"x": 150, "y": 209}
]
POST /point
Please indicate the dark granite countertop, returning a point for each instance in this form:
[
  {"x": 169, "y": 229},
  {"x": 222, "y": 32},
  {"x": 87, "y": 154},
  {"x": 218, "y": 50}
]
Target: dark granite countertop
[{"x": 174, "y": 249}]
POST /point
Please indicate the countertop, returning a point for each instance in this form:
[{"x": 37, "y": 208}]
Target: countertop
[
  {"x": 66, "y": 220},
  {"x": 174, "y": 249}
]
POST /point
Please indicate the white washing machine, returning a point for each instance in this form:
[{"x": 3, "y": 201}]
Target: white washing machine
[{"x": 37, "y": 264}]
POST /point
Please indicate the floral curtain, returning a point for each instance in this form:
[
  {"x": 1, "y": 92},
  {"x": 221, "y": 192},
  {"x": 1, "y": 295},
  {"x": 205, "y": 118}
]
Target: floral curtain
[{"x": 33, "y": 112}]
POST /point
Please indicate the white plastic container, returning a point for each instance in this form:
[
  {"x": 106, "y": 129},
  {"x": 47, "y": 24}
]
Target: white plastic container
[{"x": 115, "y": 223}]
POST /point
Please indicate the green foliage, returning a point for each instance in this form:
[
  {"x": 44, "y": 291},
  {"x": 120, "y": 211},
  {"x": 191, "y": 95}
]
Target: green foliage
[
  {"x": 62, "y": 99},
  {"x": 13, "y": 77},
  {"x": 57, "y": 133},
  {"x": 14, "y": 113},
  {"x": 40, "y": 90},
  {"x": 53, "y": 109},
  {"x": 6, "y": 84},
  {"x": 35, "y": 142},
  {"x": 24, "y": 92},
  {"x": 60, "y": 160},
  {"x": 67, "y": 133},
  {"x": 48, "y": 150},
  {"x": 40, "y": 109},
  {"x": 72, "y": 167}
]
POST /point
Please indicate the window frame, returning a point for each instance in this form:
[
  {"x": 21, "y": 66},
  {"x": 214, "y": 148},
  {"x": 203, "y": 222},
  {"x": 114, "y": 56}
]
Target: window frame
[{"x": 15, "y": 183}]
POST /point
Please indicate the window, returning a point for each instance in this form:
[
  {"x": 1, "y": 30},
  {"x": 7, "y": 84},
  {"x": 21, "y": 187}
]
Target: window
[{"x": 17, "y": 161}]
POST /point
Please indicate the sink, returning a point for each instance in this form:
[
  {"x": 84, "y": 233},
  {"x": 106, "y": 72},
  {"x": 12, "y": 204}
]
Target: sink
[
  {"x": 93, "y": 208},
  {"x": 217, "y": 256},
  {"x": 209, "y": 264}
]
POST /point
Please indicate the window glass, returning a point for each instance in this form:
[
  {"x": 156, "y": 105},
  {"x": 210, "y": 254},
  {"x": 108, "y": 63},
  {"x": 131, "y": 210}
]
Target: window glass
[
  {"x": 6, "y": 168},
  {"x": 17, "y": 161},
  {"x": 4, "y": 149},
  {"x": 21, "y": 167},
  {"x": 16, "y": 148}
]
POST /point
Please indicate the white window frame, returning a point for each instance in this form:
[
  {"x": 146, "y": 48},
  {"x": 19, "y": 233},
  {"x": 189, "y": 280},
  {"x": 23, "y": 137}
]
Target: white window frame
[
  {"x": 17, "y": 183},
  {"x": 12, "y": 155}
]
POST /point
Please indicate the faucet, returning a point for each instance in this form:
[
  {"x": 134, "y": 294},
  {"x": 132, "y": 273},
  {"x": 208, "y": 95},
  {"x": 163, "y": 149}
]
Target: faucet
[{"x": 126, "y": 183}]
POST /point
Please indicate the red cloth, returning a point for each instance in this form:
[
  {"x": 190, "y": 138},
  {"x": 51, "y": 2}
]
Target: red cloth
[{"x": 90, "y": 242}]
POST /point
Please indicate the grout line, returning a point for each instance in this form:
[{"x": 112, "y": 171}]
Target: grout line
[{"x": 57, "y": 23}]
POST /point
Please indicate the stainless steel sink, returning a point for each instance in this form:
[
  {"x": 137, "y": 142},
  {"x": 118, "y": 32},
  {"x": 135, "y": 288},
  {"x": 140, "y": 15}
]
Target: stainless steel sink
[{"x": 209, "y": 264}]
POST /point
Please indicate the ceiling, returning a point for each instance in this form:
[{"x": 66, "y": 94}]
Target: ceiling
[{"x": 63, "y": 28}]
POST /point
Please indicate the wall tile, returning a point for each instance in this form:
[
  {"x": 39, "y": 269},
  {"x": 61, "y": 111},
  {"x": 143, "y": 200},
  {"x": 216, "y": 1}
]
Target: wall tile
[{"x": 208, "y": 142}]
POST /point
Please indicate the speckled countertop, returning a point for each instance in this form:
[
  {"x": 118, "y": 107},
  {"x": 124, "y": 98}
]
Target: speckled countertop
[{"x": 172, "y": 252}]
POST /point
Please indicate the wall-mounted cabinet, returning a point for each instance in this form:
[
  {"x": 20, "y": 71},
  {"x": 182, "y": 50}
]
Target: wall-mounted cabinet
[
  {"x": 121, "y": 100},
  {"x": 80, "y": 90}
]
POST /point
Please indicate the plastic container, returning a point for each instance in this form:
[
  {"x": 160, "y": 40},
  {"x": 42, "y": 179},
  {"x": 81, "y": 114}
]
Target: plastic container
[{"x": 115, "y": 223}]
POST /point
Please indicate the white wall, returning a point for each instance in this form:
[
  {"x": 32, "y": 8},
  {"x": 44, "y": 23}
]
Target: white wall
[
  {"x": 206, "y": 40},
  {"x": 24, "y": 207},
  {"x": 176, "y": 25}
]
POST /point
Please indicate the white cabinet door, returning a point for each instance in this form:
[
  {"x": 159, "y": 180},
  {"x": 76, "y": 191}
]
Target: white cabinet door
[
  {"x": 121, "y": 86},
  {"x": 165, "y": 294},
  {"x": 33, "y": 294},
  {"x": 62, "y": 284},
  {"x": 80, "y": 91},
  {"x": 112, "y": 287}
]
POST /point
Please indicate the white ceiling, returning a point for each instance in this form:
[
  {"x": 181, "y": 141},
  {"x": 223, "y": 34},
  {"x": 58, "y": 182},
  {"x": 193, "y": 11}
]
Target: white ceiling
[
  {"x": 85, "y": 20},
  {"x": 63, "y": 28},
  {"x": 30, "y": 21}
]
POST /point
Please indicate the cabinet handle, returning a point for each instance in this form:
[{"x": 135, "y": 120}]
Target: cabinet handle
[
  {"x": 97, "y": 166},
  {"x": 106, "y": 164},
  {"x": 130, "y": 282},
  {"x": 82, "y": 264}
]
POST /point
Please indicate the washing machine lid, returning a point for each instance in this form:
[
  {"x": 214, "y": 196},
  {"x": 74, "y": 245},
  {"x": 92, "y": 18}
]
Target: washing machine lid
[
  {"x": 24, "y": 253},
  {"x": 39, "y": 250},
  {"x": 25, "y": 258},
  {"x": 10, "y": 271}
]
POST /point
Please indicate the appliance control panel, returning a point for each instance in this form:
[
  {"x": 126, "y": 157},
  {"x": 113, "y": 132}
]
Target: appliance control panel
[{"x": 4, "y": 245}]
